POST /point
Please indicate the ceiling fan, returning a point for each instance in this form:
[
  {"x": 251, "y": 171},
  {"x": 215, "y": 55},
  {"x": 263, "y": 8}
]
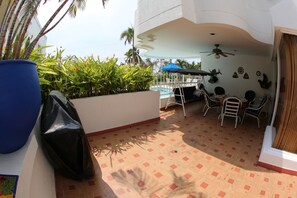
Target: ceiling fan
[{"x": 218, "y": 52}]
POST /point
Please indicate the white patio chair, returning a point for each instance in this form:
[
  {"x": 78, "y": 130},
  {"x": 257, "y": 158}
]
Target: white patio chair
[{"x": 231, "y": 106}]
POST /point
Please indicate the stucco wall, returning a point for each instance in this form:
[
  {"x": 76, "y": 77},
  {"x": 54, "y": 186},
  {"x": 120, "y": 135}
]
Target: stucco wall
[
  {"x": 254, "y": 20},
  {"x": 243, "y": 14},
  {"x": 238, "y": 86},
  {"x": 152, "y": 13},
  {"x": 284, "y": 14}
]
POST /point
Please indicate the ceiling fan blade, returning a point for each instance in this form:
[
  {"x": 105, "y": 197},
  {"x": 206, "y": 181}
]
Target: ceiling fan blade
[
  {"x": 206, "y": 52},
  {"x": 229, "y": 53},
  {"x": 223, "y": 54},
  {"x": 210, "y": 54}
]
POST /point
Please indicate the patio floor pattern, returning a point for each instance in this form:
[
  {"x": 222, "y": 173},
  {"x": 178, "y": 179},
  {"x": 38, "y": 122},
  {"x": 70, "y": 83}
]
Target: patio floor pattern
[{"x": 180, "y": 157}]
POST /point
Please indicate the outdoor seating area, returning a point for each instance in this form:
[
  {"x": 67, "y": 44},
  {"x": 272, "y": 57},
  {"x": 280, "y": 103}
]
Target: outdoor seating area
[
  {"x": 232, "y": 106},
  {"x": 173, "y": 99},
  {"x": 180, "y": 157}
]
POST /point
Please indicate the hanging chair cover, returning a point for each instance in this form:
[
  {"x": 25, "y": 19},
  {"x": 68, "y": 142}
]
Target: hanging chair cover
[{"x": 63, "y": 139}]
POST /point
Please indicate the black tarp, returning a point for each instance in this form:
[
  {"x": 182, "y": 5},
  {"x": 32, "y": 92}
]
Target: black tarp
[{"x": 63, "y": 138}]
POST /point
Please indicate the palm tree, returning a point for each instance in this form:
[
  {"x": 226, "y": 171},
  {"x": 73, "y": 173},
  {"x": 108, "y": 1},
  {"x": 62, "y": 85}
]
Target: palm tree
[
  {"x": 186, "y": 65},
  {"x": 182, "y": 63},
  {"x": 23, "y": 11},
  {"x": 128, "y": 35},
  {"x": 132, "y": 56}
]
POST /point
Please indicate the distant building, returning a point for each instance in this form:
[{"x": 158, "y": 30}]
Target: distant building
[{"x": 33, "y": 30}]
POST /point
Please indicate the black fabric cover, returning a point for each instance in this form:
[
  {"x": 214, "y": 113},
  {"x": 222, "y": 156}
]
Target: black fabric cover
[
  {"x": 188, "y": 93},
  {"x": 191, "y": 72},
  {"x": 63, "y": 138}
]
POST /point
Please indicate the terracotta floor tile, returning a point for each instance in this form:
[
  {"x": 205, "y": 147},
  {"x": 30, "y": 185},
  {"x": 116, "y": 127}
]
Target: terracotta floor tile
[{"x": 180, "y": 157}]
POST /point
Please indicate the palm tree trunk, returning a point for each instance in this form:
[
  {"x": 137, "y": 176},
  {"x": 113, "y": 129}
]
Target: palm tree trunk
[
  {"x": 22, "y": 34},
  {"x": 133, "y": 51},
  {"x": 5, "y": 23},
  {"x": 47, "y": 31},
  {"x": 11, "y": 30},
  {"x": 30, "y": 48}
]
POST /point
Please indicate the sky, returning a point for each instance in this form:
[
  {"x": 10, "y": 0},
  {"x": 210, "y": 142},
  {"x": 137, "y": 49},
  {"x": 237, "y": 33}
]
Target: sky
[{"x": 94, "y": 31}]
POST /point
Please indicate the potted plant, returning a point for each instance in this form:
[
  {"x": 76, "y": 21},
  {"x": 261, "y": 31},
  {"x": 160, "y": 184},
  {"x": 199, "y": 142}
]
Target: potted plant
[{"x": 19, "y": 84}]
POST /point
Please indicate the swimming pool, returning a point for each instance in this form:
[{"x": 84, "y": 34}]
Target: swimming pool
[{"x": 165, "y": 92}]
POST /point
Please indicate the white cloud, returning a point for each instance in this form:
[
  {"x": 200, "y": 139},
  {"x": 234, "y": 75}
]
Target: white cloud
[{"x": 94, "y": 30}]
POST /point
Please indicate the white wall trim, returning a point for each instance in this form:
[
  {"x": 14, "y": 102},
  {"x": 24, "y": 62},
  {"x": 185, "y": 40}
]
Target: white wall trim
[{"x": 275, "y": 157}]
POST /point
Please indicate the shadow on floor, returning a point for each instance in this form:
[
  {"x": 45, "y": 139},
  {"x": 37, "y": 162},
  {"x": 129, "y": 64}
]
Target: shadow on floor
[
  {"x": 145, "y": 186},
  {"x": 240, "y": 147},
  {"x": 66, "y": 187}
]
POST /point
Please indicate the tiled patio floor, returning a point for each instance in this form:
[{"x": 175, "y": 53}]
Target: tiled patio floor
[{"x": 180, "y": 157}]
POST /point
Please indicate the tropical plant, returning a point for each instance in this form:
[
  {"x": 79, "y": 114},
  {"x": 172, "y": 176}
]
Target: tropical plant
[
  {"x": 15, "y": 18},
  {"x": 85, "y": 77}
]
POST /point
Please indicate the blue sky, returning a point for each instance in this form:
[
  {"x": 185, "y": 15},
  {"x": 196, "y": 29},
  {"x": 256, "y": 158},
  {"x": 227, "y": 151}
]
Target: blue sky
[{"x": 94, "y": 31}]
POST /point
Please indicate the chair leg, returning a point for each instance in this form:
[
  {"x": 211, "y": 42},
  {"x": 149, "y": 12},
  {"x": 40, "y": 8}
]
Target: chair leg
[
  {"x": 204, "y": 108},
  {"x": 222, "y": 122},
  {"x": 236, "y": 119},
  {"x": 242, "y": 117},
  {"x": 258, "y": 120},
  {"x": 206, "y": 112}
]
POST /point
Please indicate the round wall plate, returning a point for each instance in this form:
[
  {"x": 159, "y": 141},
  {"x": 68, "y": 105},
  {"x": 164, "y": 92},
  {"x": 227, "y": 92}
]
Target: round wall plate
[
  {"x": 240, "y": 70},
  {"x": 258, "y": 73}
]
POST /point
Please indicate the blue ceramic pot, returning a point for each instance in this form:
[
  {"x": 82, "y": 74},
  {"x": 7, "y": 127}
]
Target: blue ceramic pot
[{"x": 20, "y": 100}]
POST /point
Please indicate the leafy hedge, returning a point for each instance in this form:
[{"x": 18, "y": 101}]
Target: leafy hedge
[{"x": 86, "y": 77}]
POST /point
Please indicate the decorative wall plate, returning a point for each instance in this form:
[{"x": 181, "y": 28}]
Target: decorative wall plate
[
  {"x": 240, "y": 70},
  {"x": 246, "y": 76},
  {"x": 235, "y": 75},
  {"x": 258, "y": 73}
]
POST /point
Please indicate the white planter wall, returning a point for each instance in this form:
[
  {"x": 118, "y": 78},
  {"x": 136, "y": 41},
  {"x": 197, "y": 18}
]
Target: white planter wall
[{"x": 111, "y": 111}]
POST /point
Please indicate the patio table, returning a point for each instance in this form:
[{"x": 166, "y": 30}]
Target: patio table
[{"x": 221, "y": 98}]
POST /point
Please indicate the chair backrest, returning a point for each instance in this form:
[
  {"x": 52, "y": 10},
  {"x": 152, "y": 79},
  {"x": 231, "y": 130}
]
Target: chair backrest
[
  {"x": 208, "y": 101},
  {"x": 219, "y": 91},
  {"x": 261, "y": 105},
  {"x": 250, "y": 95},
  {"x": 202, "y": 88},
  {"x": 206, "y": 97},
  {"x": 231, "y": 106}
]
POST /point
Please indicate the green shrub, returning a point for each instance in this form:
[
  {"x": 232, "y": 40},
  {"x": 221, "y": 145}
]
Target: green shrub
[{"x": 86, "y": 77}]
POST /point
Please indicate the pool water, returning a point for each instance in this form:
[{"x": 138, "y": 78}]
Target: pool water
[{"x": 165, "y": 92}]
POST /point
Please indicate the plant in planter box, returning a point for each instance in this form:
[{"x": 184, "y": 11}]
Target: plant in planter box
[
  {"x": 20, "y": 98},
  {"x": 86, "y": 77}
]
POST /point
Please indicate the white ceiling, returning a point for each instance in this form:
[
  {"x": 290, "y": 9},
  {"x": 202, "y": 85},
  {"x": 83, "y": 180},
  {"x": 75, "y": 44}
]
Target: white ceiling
[{"x": 184, "y": 39}]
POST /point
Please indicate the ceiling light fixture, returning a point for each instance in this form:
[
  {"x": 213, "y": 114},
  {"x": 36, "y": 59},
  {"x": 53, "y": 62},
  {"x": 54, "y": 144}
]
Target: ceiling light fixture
[{"x": 217, "y": 56}]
